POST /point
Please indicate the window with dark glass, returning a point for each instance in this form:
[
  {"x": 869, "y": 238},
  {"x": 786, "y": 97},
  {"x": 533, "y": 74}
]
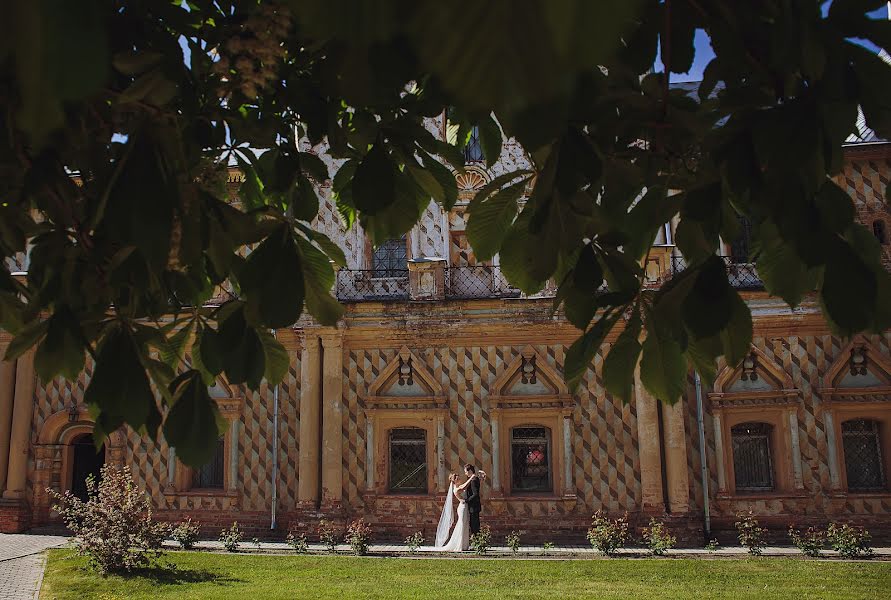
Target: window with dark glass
[
  {"x": 752, "y": 462},
  {"x": 530, "y": 453},
  {"x": 863, "y": 455},
  {"x": 408, "y": 460},
  {"x": 210, "y": 476},
  {"x": 740, "y": 248},
  {"x": 880, "y": 231},
  {"x": 390, "y": 259},
  {"x": 473, "y": 151}
]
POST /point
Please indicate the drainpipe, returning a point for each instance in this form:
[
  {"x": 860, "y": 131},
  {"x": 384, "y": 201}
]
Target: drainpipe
[
  {"x": 706, "y": 516},
  {"x": 274, "y": 451}
]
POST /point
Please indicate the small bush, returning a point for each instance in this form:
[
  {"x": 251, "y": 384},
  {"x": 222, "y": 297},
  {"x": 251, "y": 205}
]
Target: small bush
[
  {"x": 329, "y": 535},
  {"x": 481, "y": 540},
  {"x": 751, "y": 534},
  {"x": 547, "y": 547},
  {"x": 414, "y": 541},
  {"x": 712, "y": 545},
  {"x": 186, "y": 533},
  {"x": 114, "y": 527},
  {"x": 657, "y": 538},
  {"x": 231, "y": 537},
  {"x": 358, "y": 535},
  {"x": 513, "y": 541},
  {"x": 607, "y": 535},
  {"x": 849, "y": 541},
  {"x": 297, "y": 542},
  {"x": 810, "y": 542},
  {"x": 256, "y": 542}
]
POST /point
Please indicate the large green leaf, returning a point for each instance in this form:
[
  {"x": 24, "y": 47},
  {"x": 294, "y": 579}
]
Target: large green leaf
[
  {"x": 489, "y": 221},
  {"x": 319, "y": 279},
  {"x": 663, "y": 369},
  {"x": 62, "y": 350},
  {"x": 192, "y": 423},
  {"x": 374, "y": 186},
  {"x": 621, "y": 362},
  {"x": 582, "y": 351},
  {"x": 272, "y": 279}
]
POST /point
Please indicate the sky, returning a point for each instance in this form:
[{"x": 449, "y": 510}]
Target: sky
[{"x": 704, "y": 52}]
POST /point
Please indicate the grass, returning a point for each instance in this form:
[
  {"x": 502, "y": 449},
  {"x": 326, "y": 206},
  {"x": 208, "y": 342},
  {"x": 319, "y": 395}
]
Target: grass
[{"x": 197, "y": 575}]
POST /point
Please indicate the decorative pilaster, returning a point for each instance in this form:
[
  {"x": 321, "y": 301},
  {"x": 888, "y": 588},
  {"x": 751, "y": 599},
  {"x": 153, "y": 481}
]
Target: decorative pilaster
[
  {"x": 676, "y": 458},
  {"x": 332, "y": 426},
  {"x": 567, "y": 455},
  {"x": 440, "y": 453},
  {"x": 426, "y": 279},
  {"x": 308, "y": 485},
  {"x": 7, "y": 397},
  {"x": 369, "y": 451},
  {"x": 496, "y": 452},
  {"x": 23, "y": 407},
  {"x": 719, "y": 453},
  {"x": 648, "y": 444}
]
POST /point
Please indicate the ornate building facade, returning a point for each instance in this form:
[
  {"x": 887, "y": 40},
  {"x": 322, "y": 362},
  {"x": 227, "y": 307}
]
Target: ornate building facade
[{"x": 439, "y": 362}]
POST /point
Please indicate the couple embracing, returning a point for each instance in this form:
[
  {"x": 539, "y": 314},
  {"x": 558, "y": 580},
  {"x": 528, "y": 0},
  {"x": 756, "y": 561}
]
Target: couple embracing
[{"x": 469, "y": 508}]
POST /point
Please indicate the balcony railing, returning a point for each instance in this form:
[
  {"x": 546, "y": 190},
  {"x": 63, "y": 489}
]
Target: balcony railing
[
  {"x": 365, "y": 285},
  {"x": 742, "y": 275},
  {"x": 478, "y": 282}
]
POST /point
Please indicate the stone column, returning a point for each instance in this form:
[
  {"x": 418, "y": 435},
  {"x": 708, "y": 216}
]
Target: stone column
[
  {"x": 332, "y": 425},
  {"x": 567, "y": 456},
  {"x": 370, "y": 465},
  {"x": 831, "y": 449},
  {"x": 308, "y": 488},
  {"x": 7, "y": 395},
  {"x": 23, "y": 407},
  {"x": 440, "y": 453},
  {"x": 496, "y": 452},
  {"x": 719, "y": 452},
  {"x": 677, "y": 475},
  {"x": 648, "y": 447},
  {"x": 794, "y": 437}
]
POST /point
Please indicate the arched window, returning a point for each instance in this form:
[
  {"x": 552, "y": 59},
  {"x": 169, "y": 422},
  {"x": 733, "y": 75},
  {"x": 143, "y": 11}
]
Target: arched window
[
  {"x": 752, "y": 463},
  {"x": 473, "y": 151},
  {"x": 880, "y": 230},
  {"x": 530, "y": 459},
  {"x": 863, "y": 455},
  {"x": 390, "y": 259},
  {"x": 408, "y": 460},
  {"x": 211, "y": 475}
]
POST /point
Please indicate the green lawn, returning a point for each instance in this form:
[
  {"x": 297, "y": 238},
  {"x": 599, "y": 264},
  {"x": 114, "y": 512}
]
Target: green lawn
[{"x": 254, "y": 577}]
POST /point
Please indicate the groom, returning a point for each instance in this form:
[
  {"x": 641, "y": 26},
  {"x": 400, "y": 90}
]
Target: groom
[{"x": 472, "y": 498}]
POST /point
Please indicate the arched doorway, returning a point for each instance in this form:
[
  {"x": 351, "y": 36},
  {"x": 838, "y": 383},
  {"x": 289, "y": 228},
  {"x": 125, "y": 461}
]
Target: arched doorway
[{"x": 86, "y": 461}]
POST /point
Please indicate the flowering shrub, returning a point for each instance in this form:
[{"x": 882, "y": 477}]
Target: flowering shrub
[
  {"x": 607, "y": 535},
  {"x": 750, "y": 533},
  {"x": 186, "y": 533},
  {"x": 513, "y": 541},
  {"x": 850, "y": 542},
  {"x": 114, "y": 527},
  {"x": 231, "y": 537},
  {"x": 357, "y": 536},
  {"x": 657, "y": 538},
  {"x": 810, "y": 541},
  {"x": 414, "y": 541},
  {"x": 712, "y": 545},
  {"x": 547, "y": 547},
  {"x": 481, "y": 540},
  {"x": 328, "y": 535},
  {"x": 297, "y": 542}
]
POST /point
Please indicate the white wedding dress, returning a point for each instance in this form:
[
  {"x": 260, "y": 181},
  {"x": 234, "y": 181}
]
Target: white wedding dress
[{"x": 460, "y": 538}]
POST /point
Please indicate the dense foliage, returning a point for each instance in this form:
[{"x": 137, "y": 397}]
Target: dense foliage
[
  {"x": 608, "y": 535},
  {"x": 114, "y": 527},
  {"x": 120, "y": 118}
]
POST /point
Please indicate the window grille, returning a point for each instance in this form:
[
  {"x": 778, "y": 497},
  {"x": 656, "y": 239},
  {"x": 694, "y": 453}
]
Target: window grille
[
  {"x": 530, "y": 450},
  {"x": 740, "y": 249},
  {"x": 473, "y": 151},
  {"x": 408, "y": 460},
  {"x": 752, "y": 462},
  {"x": 390, "y": 259},
  {"x": 210, "y": 476},
  {"x": 863, "y": 455},
  {"x": 880, "y": 231}
]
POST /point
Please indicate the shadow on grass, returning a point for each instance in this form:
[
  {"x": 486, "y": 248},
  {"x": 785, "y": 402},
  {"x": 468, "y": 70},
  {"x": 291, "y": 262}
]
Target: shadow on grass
[{"x": 171, "y": 574}]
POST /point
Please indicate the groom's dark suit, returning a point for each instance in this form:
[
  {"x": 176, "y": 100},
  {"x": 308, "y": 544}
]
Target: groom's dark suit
[{"x": 474, "y": 506}]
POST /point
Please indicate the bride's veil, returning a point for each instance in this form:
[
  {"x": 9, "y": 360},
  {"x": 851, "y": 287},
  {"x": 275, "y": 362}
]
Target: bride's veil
[{"x": 445, "y": 521}]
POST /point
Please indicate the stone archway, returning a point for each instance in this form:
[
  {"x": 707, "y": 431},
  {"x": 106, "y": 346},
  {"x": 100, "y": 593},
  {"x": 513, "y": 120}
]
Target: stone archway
[{"x": 54, "y": 455}]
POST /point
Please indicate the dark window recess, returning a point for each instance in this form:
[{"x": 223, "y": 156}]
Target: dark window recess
[
  {"x": 473, "y": 151},
  {"x": 863, "y": 455},
  {"x": 210, "y": 476},
  {"x": 880, "y": 230},
  {"x": 740, "y": 248},
  {"x": 408, "y": 461},
  {"x": 530, "y": 454},
  {"x": 390, "y": 259},
  {"x": 88, "y": 462},
  {"x": 752, "y": 462}
]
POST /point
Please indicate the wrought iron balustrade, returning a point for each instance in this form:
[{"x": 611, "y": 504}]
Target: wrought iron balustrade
[
  {"x": 742, "y": 275},
  {"x": 478, "y": 281},
  {"x": 361, "y": 285}
]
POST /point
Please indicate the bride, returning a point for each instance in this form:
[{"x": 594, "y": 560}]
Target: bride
[{"x": 460, "y": 538}]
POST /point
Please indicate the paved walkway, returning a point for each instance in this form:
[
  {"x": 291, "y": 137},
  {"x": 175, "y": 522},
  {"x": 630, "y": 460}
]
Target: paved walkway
[{"x": 22, "y": 560}]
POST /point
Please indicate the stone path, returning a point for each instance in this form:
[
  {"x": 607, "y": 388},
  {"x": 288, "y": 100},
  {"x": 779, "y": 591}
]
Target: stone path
[{"x": 22, "y": 560}]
